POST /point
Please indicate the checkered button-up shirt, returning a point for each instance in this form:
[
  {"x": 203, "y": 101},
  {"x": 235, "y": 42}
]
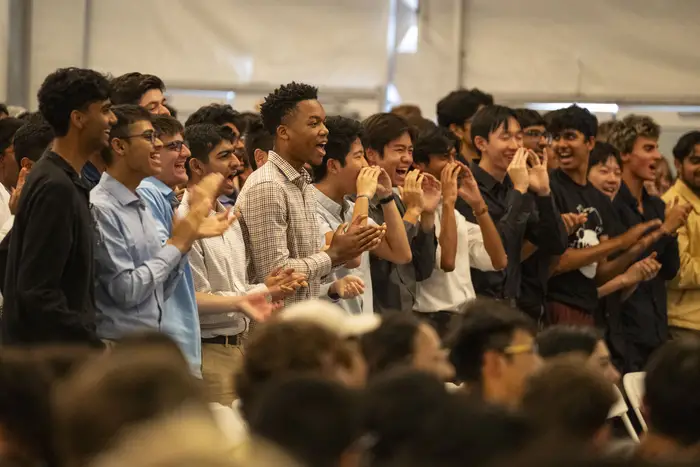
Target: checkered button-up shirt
[{"x": 280, "y": 225}]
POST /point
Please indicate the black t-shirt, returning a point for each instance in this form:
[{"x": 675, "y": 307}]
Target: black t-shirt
[{"x": 578, "y": 288}]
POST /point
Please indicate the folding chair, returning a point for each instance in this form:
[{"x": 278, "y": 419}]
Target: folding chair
[
  {"x": 634, "y": 388},
  {"x": 620, "y": 410}
]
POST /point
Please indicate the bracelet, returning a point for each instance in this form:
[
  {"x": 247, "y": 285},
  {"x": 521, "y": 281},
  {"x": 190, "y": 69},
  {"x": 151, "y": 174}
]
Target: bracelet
[
  {"x": 387, "y": 200},
  {"x": 485, "y": 210}
]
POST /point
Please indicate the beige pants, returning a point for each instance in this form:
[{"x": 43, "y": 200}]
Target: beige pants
[{"x": 219, "y": 365}]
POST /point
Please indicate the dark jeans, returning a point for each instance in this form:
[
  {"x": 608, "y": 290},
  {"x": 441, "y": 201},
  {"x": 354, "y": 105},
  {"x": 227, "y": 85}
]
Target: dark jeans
[{"x": 441, "y": 321}]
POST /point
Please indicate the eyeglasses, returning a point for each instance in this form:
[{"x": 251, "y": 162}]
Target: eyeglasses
[
  {"x": 177, "y": 146},
  {"x": 149, "y": 135},
  {"x": 521, "y": 349},
  {"x": 538, "y": 134}
]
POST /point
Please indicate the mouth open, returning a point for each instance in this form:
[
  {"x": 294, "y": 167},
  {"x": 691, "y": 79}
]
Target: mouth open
[
  {"x": 610, "y": 190},
  {"x": 321, "y": 147},
  {"x": 180, "y": 165},
  {"x": 401, "y": 172}
]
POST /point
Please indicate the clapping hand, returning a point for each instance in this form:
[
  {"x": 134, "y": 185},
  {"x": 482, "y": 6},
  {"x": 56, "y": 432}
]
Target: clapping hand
[
  {"x": 348, "y": 287},
  {"x": 518, "y": 172},
  {"x": 539, "y": 177}
]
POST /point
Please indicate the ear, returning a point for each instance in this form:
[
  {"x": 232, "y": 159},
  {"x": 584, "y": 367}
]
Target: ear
[
  {"x": 457, "y": 130},
  {"x": 260, "y": 157},
  {"x": 195, "y": 166},
  {"x": 372, "y": 156},
  {"x": 678, "y": 165},
  {"x": 590, "y": 143},
  {"x": 481, "y": 143},
  {"x": 333, "y": 166},
  {"x": 77, "y": 119},
  {"x": 283, "y": 132},
  {"x": 118, "y": 146}
]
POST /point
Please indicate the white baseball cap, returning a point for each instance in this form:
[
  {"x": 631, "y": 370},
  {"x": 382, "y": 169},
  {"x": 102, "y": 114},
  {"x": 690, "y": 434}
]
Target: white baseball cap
[{"x": 332, "y": 317}]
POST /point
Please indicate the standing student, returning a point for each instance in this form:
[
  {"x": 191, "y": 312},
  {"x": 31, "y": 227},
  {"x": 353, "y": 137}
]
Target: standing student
[
  {"x": 344, "y": 172},
  {"x": 456, "y": 111},
  {"x": 644, "y": 314},
  {"x": 49, "y": 288},
  {"x": 278, "y": 202}
]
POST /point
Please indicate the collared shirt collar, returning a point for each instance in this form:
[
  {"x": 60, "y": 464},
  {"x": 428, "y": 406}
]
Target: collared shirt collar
[
  {"x": 287, "y": 170},
  {"x": 65, "y": 166},
  {"x": 331, "y": 206},
  {"x": 118, "y": 190},
  {"x": 626, "y": 196},
  {"x": 218, "y": 205},
  {"x": 485, "y": 179}
]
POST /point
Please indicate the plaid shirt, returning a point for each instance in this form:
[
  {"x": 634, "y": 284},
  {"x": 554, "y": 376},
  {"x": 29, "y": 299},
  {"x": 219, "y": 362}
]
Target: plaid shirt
[{"x": 280, "y": 225}]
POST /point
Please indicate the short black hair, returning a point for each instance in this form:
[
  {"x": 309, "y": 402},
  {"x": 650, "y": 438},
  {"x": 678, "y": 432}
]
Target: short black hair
[
  {"x": 311, "y": 418},
  {"x": 167, "y": 125},
  {"x": 130, "y": 87},
  {"x": 8, "y": 128},
  {"x": 3, "y": 109},
  {"x": 529, "y": 117},
  {"x": 672, "y": 385},
  {"x": 572, "y": 118},
  {"x": 485, "y": 325},
  {"x": 564, "y": 339},
  {"x": 431, "y": 141},
  {"x": 69, "y": 89},
  {"x": 342, "y": 132},
  {"x": 32, "y": 140},
  {"x": 31, "y": 117},
  {"x": 383, "y": 128},
  {"x": 601, "y": 153},
  {"x": 257, "y": 138},
  {"x": 282, "y": 102},
  {"x": 489, "y": 119},
  {"x": 126, "y": 114},
  {"x": 392, "y": 344},
  {"x": 202, "y": 138},
  {"x": 461, "y": 105},
  {"x": 247, "y": 118},
  {"x": 216, "y": 114},
  {"x": 686, "y": 145}
]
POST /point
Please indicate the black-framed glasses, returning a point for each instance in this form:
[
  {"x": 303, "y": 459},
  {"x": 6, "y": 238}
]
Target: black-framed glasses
[
  {"x": 149, "y": 135},
  {"x": 177, "y": 146}
]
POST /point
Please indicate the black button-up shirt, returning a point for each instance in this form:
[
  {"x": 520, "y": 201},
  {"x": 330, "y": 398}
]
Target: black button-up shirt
[
  {"x": 49, "y": 289},
  {"x": 517, "y": 217},
  {"x": 644, "y": 315}
]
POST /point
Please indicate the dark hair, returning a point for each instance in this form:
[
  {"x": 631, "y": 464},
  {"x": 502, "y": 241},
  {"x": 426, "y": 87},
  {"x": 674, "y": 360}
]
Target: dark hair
[
  {"x": 130, "y": 87},
  {"x": 601, "y": 153},
  {"x": 528, "y": 117},
  {"x": 488, "y": 120},
  {"x": 202, "y": 138},
  {"x": 485, "y": 325},
  {"x": 383, "y": 128},
  {"x": 564, "y": 339},
  {"x": 279, "y": 349},
  {"x": 392, "y": 344},
  {"x": 248, "y": 118},
  {"x": 568, "y": 399},
  {"x": 167, "y": 125},
  {"x": 283, "y": 101},
  {"x": 672, "y": 384},
  {"x": 342, "y": 132},
  {"x": 32, "y": 117},
  {"x": 3, "y": 109},
  {"x": 127, "y": 114},
  {"x": 430, "y": 142},
  {"x": 686, "y": 145},
  {"x": 69, "y": 89},
  {"x": 8, "y": 128},
  {"x": 572, "y": 118},
  {"x": 172, "y": 110},
  {"x": 313, "y": 419},
  {"x": 216, "y": 114},
  {"x": 257, "y": 138},
  {"x": 31, "y": 141},
  {"x": 624, "y": 133},
  {"x": 461, "y": 105},
  {"x": 407, "y": 111}
]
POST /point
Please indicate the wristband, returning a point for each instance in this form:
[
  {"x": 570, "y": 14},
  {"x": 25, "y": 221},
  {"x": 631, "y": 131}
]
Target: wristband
[{"x": 387, "y": 200}]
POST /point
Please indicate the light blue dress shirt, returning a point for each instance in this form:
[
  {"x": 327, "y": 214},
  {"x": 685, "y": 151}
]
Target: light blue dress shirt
[
  {"x": 134, "y": 272},
  {"x": 180, "y": 317}
]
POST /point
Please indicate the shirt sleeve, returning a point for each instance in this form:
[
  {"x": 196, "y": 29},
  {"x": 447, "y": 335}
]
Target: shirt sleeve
[
  {"x": 156, "y": 203},
  {"x": 545, "y": 229},
  {"x": 128, "y": 284},
  {"x": 478, "y": 256},
  {"x": 264, "y": 211}
]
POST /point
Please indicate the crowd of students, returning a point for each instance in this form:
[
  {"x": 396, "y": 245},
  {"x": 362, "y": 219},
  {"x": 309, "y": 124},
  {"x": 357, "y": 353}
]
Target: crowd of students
[{"x": 391, "y": 292}]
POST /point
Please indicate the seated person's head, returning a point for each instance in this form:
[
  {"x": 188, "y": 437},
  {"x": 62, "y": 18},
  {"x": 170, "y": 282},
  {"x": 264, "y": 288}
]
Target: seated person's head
[
  {"x": 605, "y": 169},
  {"x": 317, "y": 421},
  {"x": 401, "y": 340},
  {"x": 578, "y": 340},
  {"x": 493, "y": 351},
  {"x": 146, "y": 91},
  {"x": 570, "y": 401},
  {"x": 123, "y": 389},
  {"x": 671, "y": 404},
  {"x": 279, "y": 349}
]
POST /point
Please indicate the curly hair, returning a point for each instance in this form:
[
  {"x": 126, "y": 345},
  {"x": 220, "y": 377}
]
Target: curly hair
[
  {"x": 69, "y": 89},
  {"x": 624, "y": 133},
  {"x": 283, "y": 101},
  {"x": 216, "y": 114},
  {"x": 572, "y": 118},
  {"x": 342, "y": 132},
  {"x": 31, "y": 141},
  {"x": 604, "y": 130},
  {"x": 129, "y": 88}
]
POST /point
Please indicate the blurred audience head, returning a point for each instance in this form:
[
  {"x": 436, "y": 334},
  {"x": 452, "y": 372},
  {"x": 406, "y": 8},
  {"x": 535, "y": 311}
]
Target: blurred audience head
[
  {"x": 30, "y": 143},
  {"x": 456, "y": 110},
  {"x": 493, "y": 350},
  {"x": 258, "y": 142},
  {"x": 9, "y": 169},
  {"x": 139, "y": 89},
  {"x": 686, "y": 155},
  {"x": 389, "y": 142},
  {"x": 605, "y": 169}
]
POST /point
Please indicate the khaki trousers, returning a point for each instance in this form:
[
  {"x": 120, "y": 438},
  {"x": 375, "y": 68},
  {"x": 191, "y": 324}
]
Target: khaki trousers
[{"x": 220, "y": 362}]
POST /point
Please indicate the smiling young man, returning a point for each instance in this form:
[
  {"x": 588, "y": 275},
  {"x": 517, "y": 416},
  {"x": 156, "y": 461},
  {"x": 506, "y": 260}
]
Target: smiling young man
[
  {"x": 456, "y": 111},
  {"x": 514, "y": 182},
  {"x": 49, "y": 288},
  {"x": 645, "y": 314},
  {"x": 344, "y": 172},
  {"x": 139, "y": 89},
  {"x": 278, "y": 202},
  {"x": 389, "y": 146}
]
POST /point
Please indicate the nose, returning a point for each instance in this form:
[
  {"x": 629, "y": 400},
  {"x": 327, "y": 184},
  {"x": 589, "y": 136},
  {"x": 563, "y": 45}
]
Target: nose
[
  {"x": 112, "y": 118},
  {"x": 324, "y": 130},
  {"x": 186, "y": 151},
  {"x": 657, "y": 154},
  {"x": 162, "y": 110},
  {"x": 235, "y": 161},
  {"x": 158, "y": 144}
]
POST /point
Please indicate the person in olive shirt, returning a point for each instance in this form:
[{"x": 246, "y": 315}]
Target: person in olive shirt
[
  {"x": 49, "y": 289},
  {"x": 514, "y": 182}
]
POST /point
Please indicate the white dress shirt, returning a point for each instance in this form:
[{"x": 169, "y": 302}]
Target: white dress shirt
[{"x": 448, "y": 291}]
